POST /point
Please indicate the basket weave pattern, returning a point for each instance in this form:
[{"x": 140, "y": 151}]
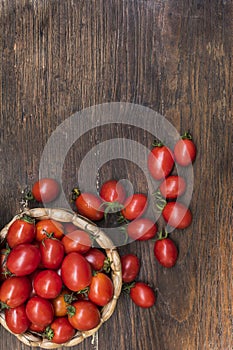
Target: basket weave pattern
[{"x": 62, "y": 215}]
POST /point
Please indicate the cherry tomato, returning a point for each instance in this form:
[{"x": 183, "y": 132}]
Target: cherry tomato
[
  {"x": 14, "y": 291},
  {"x": 48, "y": 226},
  {"x": 134, "y": 206},
  {"x": 130, "y": 265},
  {"x": 60, "y": 304},
  {"x": 35, "y": 328},
  {"x": 113, "y": 191},
  {"x": 21, "y": 231},
  {"x": 52, "y": 253},
  {"x": 84, "y": 315},
  {"x": 177, "y": 215},
  {"x": 96, "y": 258},
  {"x": 23, "y": 259},
  {"x": 89, "y": 205},
  {"x": 142, "y": 295},
  {"x": 101, "y": 289},
  {"x": 160, "y": 161},
  {"x": 69, "y": 227},
  {"x": 185, "y": 150},
  {"x": 47, "y": 284},
  {"x": 172, "y": 187},
  {"x": 142, "y": 229},
  {"x": 77, "y": 241},
  {"x": 16, "y": 319},
  {"x": 76, "y": 272},
  {"x": 45, "y": 190},
  {"x": 60, "y": 331},
  {"x": 166, "y": 252},
  {"x": 39, "y": 311}
]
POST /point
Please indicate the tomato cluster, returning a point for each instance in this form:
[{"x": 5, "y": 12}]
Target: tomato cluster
[{"x": 52, "y": 280}]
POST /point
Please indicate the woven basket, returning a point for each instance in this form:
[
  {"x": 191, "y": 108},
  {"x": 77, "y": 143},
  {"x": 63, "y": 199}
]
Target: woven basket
[{"x": 34, "y": 339}]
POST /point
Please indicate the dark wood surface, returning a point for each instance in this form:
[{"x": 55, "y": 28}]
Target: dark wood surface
[{"x": 58, "y": 57}]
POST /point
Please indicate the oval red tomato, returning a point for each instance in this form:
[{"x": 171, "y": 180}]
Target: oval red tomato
[
  {"x": 172, "y": 187},
  {"x": 142, "y": 295},
  {"x": 166, "y": 252},
  {"x": 52, "y": 253},
  {"x": 101, "y": 289},
  {"x": 39, "y": 311},
  {"x": 47, "y": 284},
  {"x": 112, "y": 191},
  {"x": 160, "y": 161},
  {"x": 76, "y": 272},
  {"x": 185, "y": 150},
  {"x": 14, "y": 291},
  {"x": 60, "y": 304},
  {"x": 177, "y": 215},
  {"x": 60, "y": 331},
  {"x": 134, "y": 206},
  {"x": 89, "y": 205},
  {"x": 84, "y": 315},
  {"x": 77, "y": 241},
  {"x": 17, "y": 320},
  {"x": 96, "y": 258},
  {"x": 48, "y": 226},
  {"x": 130, "y": 265},
  {"x": 45, "y": 190},
  {"x": 141, "y": 229},
  {"x": 23, "y": 259},
  {"x": 21, "y": 231}
]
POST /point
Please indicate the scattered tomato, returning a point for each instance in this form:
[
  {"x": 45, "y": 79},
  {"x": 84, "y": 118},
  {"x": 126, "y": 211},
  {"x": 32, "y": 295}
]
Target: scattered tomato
[
  {"x": 141, "y": 229},
  {"x": 134, "y": 206},
  {"x": 130, "y": 265},
  {"x": 160, "y": 161},
  {"x": 89, "y": 205},
  {"x": 185, "y": 150},
  {"x": 177, "y": 215},
  {"x": 142, "y": 295},
  {"x": 45, "y": 190},
  {"x": 172, "y": 187},
  {"x": 165, "y": 251},
  {"x": 113, "y": 191}
]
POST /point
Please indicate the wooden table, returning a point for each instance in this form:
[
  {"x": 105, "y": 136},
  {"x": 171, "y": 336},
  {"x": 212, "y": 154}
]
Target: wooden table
[{"x": 174, "y": 57}]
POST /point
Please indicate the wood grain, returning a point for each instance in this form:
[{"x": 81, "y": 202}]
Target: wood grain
[{"x": 58, "y": 57}]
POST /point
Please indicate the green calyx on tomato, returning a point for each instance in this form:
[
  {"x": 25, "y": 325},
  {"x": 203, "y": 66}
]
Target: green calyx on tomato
[
  {"x": 71, "y": 310},
  {"x": 28, "y": 219},
  {"x": 157, "y": 143},
  {"x": 187, "y": 136},
  {"x": 126, "y": 287},
  {"x": 69, "y": 298},
  {"x": 110, "y": 208},
  {"x": 75, "y": 194},
  {"x": 48, "y": 333},
  {"x": 4, "y": 306},
  {"x": 161, "y": 235},
  {"x": 160, "y": 200}
]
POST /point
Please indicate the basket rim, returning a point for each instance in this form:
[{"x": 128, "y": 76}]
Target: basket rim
[{"x": 33, "y": 339}]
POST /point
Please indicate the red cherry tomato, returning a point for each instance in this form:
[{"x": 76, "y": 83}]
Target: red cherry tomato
[
  {"x": 23, "y": 259},
  {"x": 113, "y": 191},
  {"x": 160, "y": 161},
  {"x": 166, "y": 252},
  {"x": 43, "y": 227},
  {"x": 35, "y": 328},
  {"x": 172, "y": 187},
  {"x": 60, "y": 304},
  {"x": 130, "y": 265},
  {"x": 39, "y": 311},
  {"x": 142, "y": 229},
  {"x": 96, "y": 258},
  {"x": 60, "y": 331},
  {"x": 52, "y": 253},
  {"x": 177, "y": 215},
  {"x": 47, "y": 284},
  {"x": 77, "y": 241},
  {"x": 185, "y": 150},
  {"x": 21, "y": 231},
  {"x": 69, "y": 227},
  {"x": 134, "y": 206},
  {"x": 142, "y": 295},
  {"x": 45, "y": 190},
  {"x": 76, "y": 272},
  {"x": 16, "y": 319},
  {"x": 14, "y": 291},
  {"x": 89, "y": 205},
  {"x": 101, "y": 289},
  {"x": 84, "y": 315}
]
